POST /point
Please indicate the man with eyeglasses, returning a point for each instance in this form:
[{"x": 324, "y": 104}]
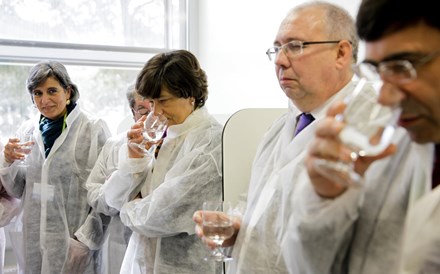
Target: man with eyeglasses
[
  {"x": 313, "y": 52},
  {"x": 111, "y": 236},
  {"x": 402, "y": 50}
]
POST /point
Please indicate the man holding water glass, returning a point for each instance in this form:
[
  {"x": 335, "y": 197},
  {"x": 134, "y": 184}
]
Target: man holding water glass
[
  {"x": 402, "y": 49},
  {"x": 313, "y": 52}
]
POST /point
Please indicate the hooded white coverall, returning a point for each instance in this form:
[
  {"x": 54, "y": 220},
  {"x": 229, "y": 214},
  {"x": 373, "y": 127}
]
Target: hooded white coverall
[
  {"x": 186, "y": 173},
  {"x": 53, "y": 191}
]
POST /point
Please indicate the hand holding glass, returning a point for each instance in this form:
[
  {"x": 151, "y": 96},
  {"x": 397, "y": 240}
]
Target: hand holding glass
[
  {"x": 368, "y": 131},
  {"x": 25, "y": 147},
  {"x": 217, "y": 226},
  {"x": 153, "y": 130}
]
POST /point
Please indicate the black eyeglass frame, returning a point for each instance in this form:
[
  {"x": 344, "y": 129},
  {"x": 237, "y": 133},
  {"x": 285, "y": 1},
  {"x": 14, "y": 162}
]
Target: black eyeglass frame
[{"x": 139, "y": 111}]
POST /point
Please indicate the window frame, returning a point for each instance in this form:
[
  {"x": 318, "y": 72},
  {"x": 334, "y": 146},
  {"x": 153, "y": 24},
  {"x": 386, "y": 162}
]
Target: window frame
[{"x": 31, "y": 52}]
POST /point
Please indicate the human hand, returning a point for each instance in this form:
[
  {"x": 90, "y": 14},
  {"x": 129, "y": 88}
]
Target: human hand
[
  {"x": 198, "y": 219},
  {"x": 12, "y": 151},
  {"x": 327, "y": 145},
  {"x": 136, "y": 139},
  {"x": 78, "y": 257}
]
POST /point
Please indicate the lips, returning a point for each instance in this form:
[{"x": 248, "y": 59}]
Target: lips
[
  {"x": 285, "y": 81},
  {"x": 408, "y": 120}
]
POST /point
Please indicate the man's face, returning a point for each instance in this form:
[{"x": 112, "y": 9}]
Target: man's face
[
  {"x": 310, "y": 78},
  {"x": 419, "y": 98},
  {"x": 141, "y": 107}
]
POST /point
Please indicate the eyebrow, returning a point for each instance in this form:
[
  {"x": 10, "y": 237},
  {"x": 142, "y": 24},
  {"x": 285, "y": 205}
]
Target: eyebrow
[{"x": 397, "y": 56}]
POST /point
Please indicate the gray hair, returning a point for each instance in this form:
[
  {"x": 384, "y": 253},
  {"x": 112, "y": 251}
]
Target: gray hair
[
  {"x": 45, "y": 69},
  {"x": 340, "y": 24},
  {"x": 130, "y": 93}
]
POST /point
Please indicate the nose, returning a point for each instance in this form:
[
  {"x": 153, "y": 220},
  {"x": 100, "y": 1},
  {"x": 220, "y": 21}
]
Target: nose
[
  {"x": 44, "y": 98},
  {"x": 281, "y": 59},
  {"x": 391, "y": 95},
  {"x": 156, "y": 108}
]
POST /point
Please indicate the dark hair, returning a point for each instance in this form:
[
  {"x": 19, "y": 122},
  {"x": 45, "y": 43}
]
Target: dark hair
[
  {"x": 179, "y": 71},
  {"x": 130, "y": 93},
  {"x": 45, "y": 69},
  {"x": 378, "y": 18}
]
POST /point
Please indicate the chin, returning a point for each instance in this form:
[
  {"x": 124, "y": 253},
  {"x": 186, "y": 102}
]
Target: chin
[{"x": 421, "y": 137}]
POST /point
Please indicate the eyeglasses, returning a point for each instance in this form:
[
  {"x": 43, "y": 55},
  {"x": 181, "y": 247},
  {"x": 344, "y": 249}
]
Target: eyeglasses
[
  {"x": 141, "y": 111},
  {"x": 293, "y": 48},
  {"x": 394, "y": 71}
]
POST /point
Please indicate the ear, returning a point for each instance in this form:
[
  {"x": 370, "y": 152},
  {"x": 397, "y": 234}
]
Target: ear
[
  {"x": 345, "y": 54},
  {"x": 69, "y": 92}
]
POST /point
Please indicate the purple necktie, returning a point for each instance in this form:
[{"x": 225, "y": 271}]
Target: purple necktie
[
  {"x": 304, "y": 120},
  {"x": 436, "y": 167}
]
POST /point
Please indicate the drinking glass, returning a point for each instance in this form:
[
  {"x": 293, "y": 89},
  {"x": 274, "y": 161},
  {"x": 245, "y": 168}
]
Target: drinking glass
[
  {"x": 25, "y": 147},
  {"x": 217, "y": 226},
  {"x": 368, "y": 131},
  {"x": 153, "y": 130}
]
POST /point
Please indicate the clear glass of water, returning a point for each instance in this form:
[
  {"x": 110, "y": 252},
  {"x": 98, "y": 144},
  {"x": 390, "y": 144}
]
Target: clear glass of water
[
  {"x": 217, "y": 226},
  {"x": 153, "y": 130},
  {"x": 369, "y": 129}
]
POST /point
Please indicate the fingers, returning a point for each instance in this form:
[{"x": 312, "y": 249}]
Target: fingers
[
  {"x": 134, "y": 135},
  {"x": 142, "y": 119},
  {"x": 327, "y": 146},
  {"x": 336, "y": 108},
  {"x": 11, "y": 150},
  {"x": 326, "y": 143},
  {"x": 363, "y": 163},
  {"x": 197, "y": 218}
]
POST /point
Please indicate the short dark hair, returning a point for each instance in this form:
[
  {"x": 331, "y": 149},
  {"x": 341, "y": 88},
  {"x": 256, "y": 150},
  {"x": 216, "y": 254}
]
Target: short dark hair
[
  {"x": 378, "y": 18},
  {"x": 179, "y": 71},
  {"x": 45, "y": 69}
]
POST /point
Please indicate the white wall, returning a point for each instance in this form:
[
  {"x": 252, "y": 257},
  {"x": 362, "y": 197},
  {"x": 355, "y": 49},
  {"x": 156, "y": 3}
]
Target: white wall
[{"x": 233, "y": 36}]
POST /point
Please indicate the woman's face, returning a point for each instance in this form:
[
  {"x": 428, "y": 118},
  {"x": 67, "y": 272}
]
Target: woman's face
[
  {"x": 51, "y": 98},
  {"x": 175, "y": 109}
]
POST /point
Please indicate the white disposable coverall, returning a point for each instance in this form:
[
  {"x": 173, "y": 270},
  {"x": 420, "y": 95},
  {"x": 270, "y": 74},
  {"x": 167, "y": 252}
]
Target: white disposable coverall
[
  {"x": 115, "y": 243},
  {"x": 359, "y": 232},
  {"x": 421, "y": 244},
  {"x": 186, "y": 173},
  {"x": 277, "y": 164},
  {"x": 53, "y": 190},
  {"x": 9, "y": 208}
]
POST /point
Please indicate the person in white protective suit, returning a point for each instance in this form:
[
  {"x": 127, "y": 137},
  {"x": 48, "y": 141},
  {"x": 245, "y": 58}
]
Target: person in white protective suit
[
  {"x": 67, "y": 142},
  {"x": 312, "y": 76},
  {"x": 157, "y": 193},
  {"x": 117, "y": 234},
  {"x": 9, "y": 208},
  {"x": 396, "y": 219}
]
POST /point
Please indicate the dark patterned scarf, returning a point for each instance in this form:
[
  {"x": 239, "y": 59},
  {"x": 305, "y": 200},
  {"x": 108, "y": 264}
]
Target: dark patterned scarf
[{"x": 52, "y": 129}]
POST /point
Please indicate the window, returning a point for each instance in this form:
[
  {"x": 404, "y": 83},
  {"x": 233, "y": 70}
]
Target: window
[{"x": 102, "y": 43}]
